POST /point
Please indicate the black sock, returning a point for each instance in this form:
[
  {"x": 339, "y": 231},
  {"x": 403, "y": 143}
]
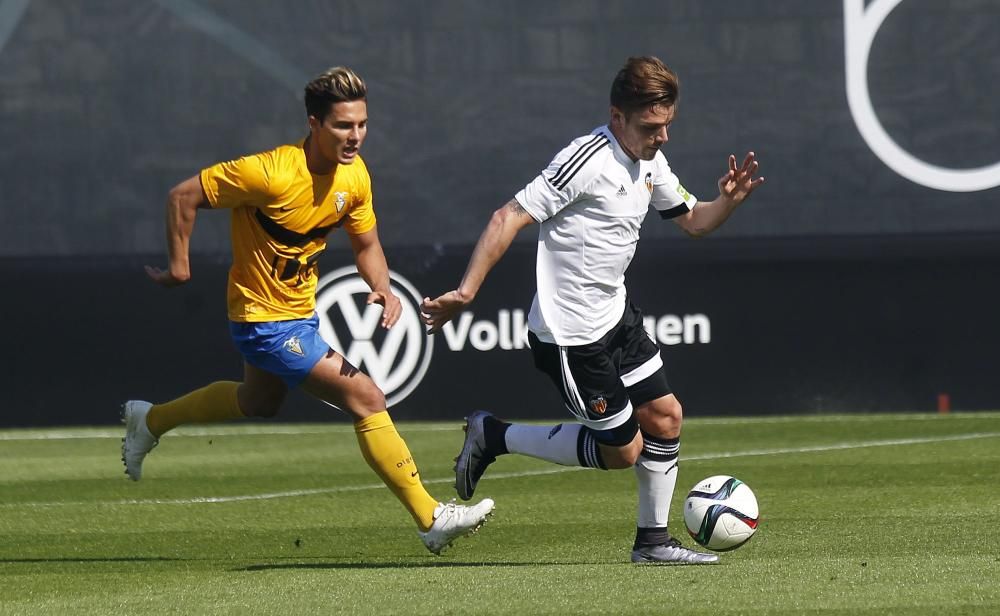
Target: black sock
[
  {"x": 650, "y": 536},
  {"x": 495, "y": 433}
]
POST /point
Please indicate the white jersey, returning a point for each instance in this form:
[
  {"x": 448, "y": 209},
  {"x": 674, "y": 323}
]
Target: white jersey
[{"x": 590, "y": 203}]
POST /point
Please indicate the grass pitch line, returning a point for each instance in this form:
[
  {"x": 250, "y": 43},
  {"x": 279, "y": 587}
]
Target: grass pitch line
[
  {"x": 839, "y": 446},
  {"x": 50, "y": 434},
  {"x": 546, "y": 471}
]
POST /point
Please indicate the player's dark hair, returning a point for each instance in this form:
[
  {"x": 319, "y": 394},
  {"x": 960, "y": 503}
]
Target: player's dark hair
[
  {"x": 642, "y": 82},
  {"x": 336, "y": 85}
]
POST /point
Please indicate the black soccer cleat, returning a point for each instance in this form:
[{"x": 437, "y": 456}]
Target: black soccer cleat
[{"x": 471, "y": 463}]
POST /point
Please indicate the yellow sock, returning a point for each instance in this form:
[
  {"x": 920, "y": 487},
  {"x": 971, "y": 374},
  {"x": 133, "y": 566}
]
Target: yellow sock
[
  {"x": 387, "y": 454},
  {"x": 215, "y": 402}
]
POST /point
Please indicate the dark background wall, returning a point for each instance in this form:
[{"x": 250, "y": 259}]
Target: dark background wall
[
  {"x": 841, "y": 286},
  {"x": 787, "y": 326},
  {"x": 108, "y": 103}
]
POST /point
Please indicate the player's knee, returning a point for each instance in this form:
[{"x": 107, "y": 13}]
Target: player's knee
[
  {"x": 261, "y": 408},
  {"x": 257, "y": 405},
  {"x": 368, "y": 398},
  {"x": 268, "y": 411},
  {"x": 662, "y": 417},
  {"x": 672, "y": 409}
]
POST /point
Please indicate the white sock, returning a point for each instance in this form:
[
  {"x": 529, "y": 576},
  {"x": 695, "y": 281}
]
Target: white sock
[
  {"x": 656, "y": 472},
  {"x": 656, "y": 481},
  {"x": 560, "y": 444}
]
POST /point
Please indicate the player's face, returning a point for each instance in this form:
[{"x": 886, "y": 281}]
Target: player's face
[
  {"x": 641, "y": 133},
  {"x": 340, "y": 135}
]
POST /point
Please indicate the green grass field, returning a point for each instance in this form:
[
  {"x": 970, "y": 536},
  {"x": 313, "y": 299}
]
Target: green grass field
[{"x": 875, "y": 514}]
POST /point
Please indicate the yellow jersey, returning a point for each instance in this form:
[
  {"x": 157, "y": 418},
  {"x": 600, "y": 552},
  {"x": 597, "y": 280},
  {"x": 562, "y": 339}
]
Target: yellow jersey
[{"x": 280, "y": 217}]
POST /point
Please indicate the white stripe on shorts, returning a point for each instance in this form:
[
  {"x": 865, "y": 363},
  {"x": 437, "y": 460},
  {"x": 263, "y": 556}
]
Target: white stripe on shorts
[
  {"x": 580, "y": 410},
  {"x": 575, "y": 403},
  {"x": 649, "y": 367}
]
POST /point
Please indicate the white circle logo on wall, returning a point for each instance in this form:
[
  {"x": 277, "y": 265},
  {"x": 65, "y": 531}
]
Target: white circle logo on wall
[
  {"x": 861, "y": 23},
  {"x": 396, "y": 359}
]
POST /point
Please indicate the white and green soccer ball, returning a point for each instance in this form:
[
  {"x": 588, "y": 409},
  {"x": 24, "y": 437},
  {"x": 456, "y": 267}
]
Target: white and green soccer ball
[{"x": 721, "y": 513}]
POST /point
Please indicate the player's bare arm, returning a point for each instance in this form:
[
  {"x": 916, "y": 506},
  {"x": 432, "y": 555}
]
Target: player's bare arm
[
  {"x": 182, "y": 207},
  {"x": 504, "y": 225},
  {"x": 370, "y": 259},
  {"x": 734, "y": 188}
]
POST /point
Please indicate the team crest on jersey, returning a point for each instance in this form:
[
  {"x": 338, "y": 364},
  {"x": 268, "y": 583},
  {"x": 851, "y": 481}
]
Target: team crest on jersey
[
  {"x": 649, "y": 182},
  {"x": 598, "y": 404},
  {"x": 341, "y": 199},
  {"x": 293, "y": 345}
]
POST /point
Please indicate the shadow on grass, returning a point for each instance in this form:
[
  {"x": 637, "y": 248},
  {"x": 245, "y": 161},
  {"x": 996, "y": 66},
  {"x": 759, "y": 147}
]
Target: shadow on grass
[
  {"x": 109, "y": 559},
  {"x": 398, "y": 565},
  {"x": 280, "y": 566}
]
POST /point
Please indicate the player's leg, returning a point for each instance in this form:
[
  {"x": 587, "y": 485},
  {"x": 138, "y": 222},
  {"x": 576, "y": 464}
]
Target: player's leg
[
  {"x": 656, "y": 478},
  {"x": 272, "y": 357},
  {"x": 605, "y": 437},
  {"x": 334, "y": 380},
  {"x": 260, "y": 394},
  {"x": 656, "y": 470},
  {"x": 659, "y": 415}
]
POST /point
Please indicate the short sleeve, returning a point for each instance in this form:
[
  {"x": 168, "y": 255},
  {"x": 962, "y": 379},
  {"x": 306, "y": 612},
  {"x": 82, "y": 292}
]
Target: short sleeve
[
  {"x": 566, "y": 178},
  {"x": 237, "y": 183},
  {"x": 361, "y": 217},
  {"x": 670, "y": 199}
]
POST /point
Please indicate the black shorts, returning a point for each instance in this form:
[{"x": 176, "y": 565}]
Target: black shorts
[{"x": 600, "y": 382}]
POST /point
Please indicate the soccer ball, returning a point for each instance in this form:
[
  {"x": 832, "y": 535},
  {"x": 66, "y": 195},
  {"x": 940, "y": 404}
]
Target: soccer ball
[{"x": 721, "y": 513}]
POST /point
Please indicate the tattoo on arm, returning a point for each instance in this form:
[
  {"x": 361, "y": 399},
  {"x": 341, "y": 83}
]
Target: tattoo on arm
[{"x": 515, "y": 208}]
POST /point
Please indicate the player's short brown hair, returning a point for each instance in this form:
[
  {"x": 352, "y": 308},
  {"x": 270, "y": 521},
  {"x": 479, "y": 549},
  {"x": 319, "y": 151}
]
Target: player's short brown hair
[
  {"x": 335, "y": 85},
  {"x": 642, "y": 82}
]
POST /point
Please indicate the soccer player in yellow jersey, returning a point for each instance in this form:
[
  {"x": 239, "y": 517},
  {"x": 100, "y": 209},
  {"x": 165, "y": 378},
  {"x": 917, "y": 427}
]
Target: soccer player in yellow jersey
[{"x": 282, "y": 204}]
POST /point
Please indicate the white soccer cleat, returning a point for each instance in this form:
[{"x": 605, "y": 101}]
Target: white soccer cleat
[
  {"x": 138, "y": 439},
  {"x": 452, "y": 521},
  {"x": 673, "y": 553}
]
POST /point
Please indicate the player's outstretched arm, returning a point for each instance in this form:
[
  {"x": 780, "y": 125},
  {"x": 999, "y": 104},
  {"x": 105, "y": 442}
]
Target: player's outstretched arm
[
  {"x": 370, "y": 259},
  {"x": 734, "y": 188},
  {"x": 182, "y": 207},
  {"x": 504, "y": 225}
]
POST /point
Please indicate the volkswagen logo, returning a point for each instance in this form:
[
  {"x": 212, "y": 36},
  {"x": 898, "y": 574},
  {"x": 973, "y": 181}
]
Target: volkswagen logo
[{"x": 395, "y": 359}]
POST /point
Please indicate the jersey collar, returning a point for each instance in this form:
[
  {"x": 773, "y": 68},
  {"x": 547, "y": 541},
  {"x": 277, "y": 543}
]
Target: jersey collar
[{"x": 616, "y": 147}]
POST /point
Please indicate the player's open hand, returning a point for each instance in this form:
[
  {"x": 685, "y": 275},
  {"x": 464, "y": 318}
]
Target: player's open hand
[
  {"x": 437, "y": 312},
  {"x": 737, "y": 184},
  {"x": 165, "y": 277},
  {"x": 391, "y": 308}
]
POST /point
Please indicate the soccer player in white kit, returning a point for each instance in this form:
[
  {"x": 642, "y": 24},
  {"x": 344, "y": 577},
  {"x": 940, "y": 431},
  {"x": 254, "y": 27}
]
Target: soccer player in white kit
[{"x": 584, "y": 332}]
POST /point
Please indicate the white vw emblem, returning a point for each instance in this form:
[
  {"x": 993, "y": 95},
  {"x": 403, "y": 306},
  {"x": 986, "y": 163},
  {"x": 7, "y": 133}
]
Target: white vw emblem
[
  {"x": 396, "y": 359},
  {"x": 862, "y": 21}
]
